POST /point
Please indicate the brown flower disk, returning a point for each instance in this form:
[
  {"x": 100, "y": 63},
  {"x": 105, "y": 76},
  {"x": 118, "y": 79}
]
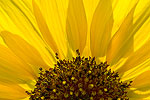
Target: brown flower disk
[{"x": 79, "y": 79}]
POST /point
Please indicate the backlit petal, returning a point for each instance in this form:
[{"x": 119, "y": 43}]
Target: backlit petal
[
  {"x": 121, "y": 8},
  {"x": 12, "y": 69},
  {"x": 142, "y": 87},
  {"x": 17, "y": 17},
  {"x": 118, "y": 47},
  {"x": 12, "y": 92},
  {"x": 101, "y": 27},
  {"x": 138, "y": 95},
  {"x": 136, "y": 58},
  {"x": 44, "y": 28},
  {"x": 142, "y": 80},
  {"x": 76, "y": 25},
  {"x": 55, "y": 13},
  {"x": 23, "y": 50}
]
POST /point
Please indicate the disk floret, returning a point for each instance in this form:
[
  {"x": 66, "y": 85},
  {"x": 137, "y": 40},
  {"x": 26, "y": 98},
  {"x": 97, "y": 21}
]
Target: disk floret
[{"x": 79, "y": 79}]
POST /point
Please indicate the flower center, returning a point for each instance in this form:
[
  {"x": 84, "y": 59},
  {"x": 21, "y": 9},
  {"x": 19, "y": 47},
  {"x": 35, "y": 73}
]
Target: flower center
[{"x": 79, "y": 79}]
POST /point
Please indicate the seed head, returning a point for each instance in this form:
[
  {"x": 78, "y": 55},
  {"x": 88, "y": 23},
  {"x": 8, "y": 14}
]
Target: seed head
[{"x": 79, "y": 79}]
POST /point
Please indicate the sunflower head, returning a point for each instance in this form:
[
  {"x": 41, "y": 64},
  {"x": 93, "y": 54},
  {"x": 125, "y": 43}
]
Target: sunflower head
[
  {"x": 116, "y": 31},
  {"x": 79, "y": 78}
]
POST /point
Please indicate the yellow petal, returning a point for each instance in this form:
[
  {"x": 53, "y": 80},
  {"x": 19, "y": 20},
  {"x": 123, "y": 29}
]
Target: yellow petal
[
  {"x": 44, "y": 28},
  {"x": 137, "y": 58},
  {"x": 23, "y": 50},
  {"x": 119, "y": 45},
  {"x": 138, "y": 28},
  {"x": 12, "y": 68},
  {"x": 142, "y": 80},
  {"x": 141, "y": 19},
  {"x": 121, "y": 8},
  {"x": 135, "y": 94},
  {"x": 23, "y": 14},
  {"x": 142, "y": 35},
  {"x": 12, "y": 92},
  {"x": 76, "y": 25},
  {"x": 55, "y": 13},
  {"x": 17, "y": 17},
  {"x": 90, "y": 6},
  {"x": 135, "y": 71},
  {"x": 127, "y": 44},
  {"x": 101, "y": 27},
  {"x": 140, "y": 88}
]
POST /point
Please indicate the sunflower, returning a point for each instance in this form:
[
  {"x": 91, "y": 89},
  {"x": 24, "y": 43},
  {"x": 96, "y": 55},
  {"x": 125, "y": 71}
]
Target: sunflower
[{"x": 103, "y": 45}]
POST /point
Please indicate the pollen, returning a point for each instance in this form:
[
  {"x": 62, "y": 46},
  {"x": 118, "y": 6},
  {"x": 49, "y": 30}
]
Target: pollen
[
  {"x": 79, "y": 79},
  {"x": 64, "y": 82},
  {"x": 72, "y": 78}
]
